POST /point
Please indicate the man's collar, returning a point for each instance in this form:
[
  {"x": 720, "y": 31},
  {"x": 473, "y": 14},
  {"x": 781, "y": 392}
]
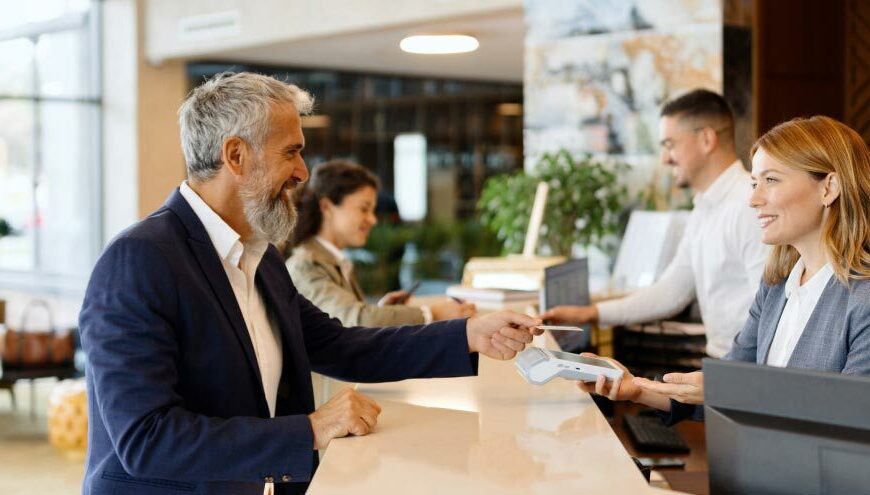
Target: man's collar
[
  {"x": 721, "y": 187},
  {"x": 226, "y": 240}
]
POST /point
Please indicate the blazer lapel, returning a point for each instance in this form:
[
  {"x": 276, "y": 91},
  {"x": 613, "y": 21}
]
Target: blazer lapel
[
  {"x": 817, "y": 333},
  {"x": 356, "y": 289},
  {"x": 275, "y": 285},
  {"x": 211, "y": 266},
  {"x": 769, "y": 322},
  {"x": 320, "y": 255}
]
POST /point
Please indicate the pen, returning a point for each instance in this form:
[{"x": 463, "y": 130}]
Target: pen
[{"x": 409, "y": 293}]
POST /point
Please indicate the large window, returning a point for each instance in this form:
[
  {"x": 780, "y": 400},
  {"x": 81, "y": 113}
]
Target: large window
[{"x": 49, "y": 141}]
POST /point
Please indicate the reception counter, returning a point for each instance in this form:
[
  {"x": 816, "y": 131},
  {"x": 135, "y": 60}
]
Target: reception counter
[{"x": 493, "y": 433}]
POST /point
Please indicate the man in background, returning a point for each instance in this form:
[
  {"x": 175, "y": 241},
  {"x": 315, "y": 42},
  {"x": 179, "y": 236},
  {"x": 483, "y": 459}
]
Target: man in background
[{"x": 721, "y": 257}]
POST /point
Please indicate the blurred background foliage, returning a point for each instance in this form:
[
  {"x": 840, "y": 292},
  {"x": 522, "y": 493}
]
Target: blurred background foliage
[
  {"x": 397, "y": 255},
  {"x": 586, "y": 205}
]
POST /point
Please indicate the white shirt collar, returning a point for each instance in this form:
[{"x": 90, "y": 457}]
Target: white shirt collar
[
  {"x": 814, "y": 285},
  {"x": 332, "y": 248},
  {"x": 721, "y": 187},
  {"x": 227, "y": 241}
]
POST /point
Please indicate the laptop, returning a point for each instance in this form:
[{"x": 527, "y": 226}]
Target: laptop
[{"x": 568, "y": 284}]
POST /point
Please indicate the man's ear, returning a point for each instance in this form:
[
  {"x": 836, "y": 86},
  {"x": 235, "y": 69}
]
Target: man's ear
[
  {"x": 233, "y": 155},
  {"x": 709, "y": 139}
]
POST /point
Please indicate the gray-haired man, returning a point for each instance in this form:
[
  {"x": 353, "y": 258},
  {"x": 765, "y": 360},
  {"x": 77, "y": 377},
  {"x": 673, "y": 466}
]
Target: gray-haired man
[{"x": 200, "y": 348}]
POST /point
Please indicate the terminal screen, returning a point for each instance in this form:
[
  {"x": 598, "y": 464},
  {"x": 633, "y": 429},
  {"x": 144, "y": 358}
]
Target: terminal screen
[{"x": 576, "y": 358}]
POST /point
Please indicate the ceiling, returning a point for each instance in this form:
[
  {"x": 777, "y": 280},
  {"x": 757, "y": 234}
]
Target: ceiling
[{"x": 499, "y": 58}]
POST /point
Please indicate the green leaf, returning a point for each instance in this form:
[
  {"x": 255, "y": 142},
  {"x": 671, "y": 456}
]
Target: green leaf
[{"x": 587, "y": 196}]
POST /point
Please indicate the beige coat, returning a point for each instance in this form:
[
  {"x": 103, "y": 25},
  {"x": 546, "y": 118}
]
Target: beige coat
[{"x": 317, "y": 276}]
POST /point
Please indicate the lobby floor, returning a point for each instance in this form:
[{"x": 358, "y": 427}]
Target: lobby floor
[{"x": 28, "y": 464}]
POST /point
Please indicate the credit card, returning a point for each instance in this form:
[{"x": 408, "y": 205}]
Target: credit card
[{"x": 560, "y": 327}]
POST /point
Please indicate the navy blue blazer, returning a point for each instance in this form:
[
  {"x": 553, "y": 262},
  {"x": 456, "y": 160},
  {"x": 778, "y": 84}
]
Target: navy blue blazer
[{"x": 175, "y": 395}]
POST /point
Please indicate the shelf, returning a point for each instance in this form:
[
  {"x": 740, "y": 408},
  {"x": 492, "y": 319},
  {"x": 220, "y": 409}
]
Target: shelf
[{"x": 459, "y": 119}]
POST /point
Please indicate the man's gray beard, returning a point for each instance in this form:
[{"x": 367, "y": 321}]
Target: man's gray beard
[{"x": 271, "y": 219}]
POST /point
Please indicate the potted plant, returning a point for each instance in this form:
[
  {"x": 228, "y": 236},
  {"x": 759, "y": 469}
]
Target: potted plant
[
  {"x": 439, "y": 249},
  {"x": 587, "y": 196},
  {"x": 5, "y": 228}
]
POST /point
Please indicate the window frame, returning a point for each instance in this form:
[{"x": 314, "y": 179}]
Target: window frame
[{"x": 38, "y": 279}]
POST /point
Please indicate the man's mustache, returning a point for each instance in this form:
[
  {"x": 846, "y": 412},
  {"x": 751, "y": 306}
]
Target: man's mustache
[{"x": 292, "y": 185}]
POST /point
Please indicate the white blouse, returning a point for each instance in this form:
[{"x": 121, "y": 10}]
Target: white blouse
[{"x": 800, "y": 302}]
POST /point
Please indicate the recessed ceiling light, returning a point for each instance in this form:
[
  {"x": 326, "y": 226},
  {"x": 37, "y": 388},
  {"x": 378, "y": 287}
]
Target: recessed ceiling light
[{"x": 439, "y": 44}]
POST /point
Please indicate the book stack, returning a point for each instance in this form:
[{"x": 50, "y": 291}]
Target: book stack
[{"x": 474, "y": 295}]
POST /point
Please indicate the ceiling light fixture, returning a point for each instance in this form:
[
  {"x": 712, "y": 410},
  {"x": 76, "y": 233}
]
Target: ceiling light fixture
[{"x": 438, "y": 44}]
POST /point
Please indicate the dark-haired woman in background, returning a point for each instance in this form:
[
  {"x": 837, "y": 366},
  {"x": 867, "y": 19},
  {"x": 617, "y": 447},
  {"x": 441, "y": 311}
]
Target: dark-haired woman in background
[{"x": 337, "y": 211}]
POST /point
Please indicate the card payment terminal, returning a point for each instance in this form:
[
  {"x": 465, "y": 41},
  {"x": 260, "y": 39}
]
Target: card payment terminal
[{"x": 538, "y": 366}]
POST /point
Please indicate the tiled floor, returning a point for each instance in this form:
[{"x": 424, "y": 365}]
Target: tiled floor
[{"x": 28, "y": 464}]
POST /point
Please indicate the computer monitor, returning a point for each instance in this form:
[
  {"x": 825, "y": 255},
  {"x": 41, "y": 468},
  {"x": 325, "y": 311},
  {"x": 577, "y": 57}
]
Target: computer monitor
[
  {"x": 567, "y": 284},
  {"x": 784, "y": 431},
  {"x": 647, "y": 247}
]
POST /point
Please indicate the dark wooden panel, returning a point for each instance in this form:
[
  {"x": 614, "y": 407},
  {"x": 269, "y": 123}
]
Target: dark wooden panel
[
  {"x": 801, "y": 46},
  {"x": 858, "y": 66}
]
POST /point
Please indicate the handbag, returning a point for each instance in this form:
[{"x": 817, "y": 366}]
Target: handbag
[{"x": 36, "y": 349}]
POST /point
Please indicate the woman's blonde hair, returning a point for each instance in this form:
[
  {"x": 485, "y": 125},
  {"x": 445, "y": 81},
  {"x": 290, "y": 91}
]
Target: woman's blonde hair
[{"x": 819, "y": 146}]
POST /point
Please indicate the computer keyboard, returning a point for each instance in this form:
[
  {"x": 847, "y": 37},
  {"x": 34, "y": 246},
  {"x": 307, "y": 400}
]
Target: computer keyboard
[{"x": 651, "y": 435}]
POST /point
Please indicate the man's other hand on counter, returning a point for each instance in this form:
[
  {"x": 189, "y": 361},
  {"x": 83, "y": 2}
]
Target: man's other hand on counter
[{"x": 348, "y": 413}]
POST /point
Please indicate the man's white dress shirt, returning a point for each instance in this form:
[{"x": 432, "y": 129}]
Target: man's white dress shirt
[
  {"x": 240, "y": 261},
  {"x": 720, "y": 260},
  {"x": 800, "y": 302}
]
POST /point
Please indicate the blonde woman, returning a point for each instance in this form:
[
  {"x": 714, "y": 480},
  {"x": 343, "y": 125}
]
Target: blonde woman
[{"x": 811, "y": 181}]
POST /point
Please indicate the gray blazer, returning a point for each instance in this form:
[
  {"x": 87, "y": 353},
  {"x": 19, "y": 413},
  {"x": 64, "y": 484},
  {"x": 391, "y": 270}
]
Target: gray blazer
[
  {"x": 836, "y": 337},
  {"x": 317, "y": 276}
]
